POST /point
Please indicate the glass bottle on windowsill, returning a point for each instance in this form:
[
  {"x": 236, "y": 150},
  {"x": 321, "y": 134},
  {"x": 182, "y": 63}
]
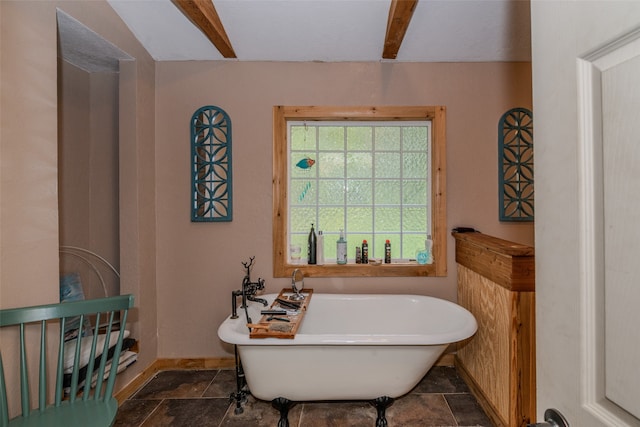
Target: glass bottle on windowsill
[{"x": 312, "y": 246}]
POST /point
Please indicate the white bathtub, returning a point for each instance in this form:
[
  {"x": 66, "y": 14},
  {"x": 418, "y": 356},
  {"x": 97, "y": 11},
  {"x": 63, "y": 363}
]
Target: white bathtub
[{"x": 349, "y": 347}]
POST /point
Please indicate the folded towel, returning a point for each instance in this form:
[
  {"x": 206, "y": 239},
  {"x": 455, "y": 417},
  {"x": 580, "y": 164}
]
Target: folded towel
[
  {"x": 127, "y": 359},
  {"x": 85, "y": 349},
  {"x": 127, "y": 344}
]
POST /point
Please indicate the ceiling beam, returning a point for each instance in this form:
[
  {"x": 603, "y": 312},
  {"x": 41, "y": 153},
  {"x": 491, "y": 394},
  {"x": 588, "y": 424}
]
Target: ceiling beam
[
  {"x": 400, "y": 13},
  {"x": 203, "y": 14}
]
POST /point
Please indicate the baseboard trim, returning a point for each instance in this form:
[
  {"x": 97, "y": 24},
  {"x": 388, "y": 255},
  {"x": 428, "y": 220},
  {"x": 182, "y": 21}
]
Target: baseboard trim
[
  {"x": 446, "y": 359},
  {"x": 171, "y": 364},
  {"x": 476, "y": 390}
]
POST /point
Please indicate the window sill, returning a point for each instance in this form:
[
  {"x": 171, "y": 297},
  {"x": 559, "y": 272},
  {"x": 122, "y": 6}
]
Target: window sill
[{"x": 361, "y": 270}]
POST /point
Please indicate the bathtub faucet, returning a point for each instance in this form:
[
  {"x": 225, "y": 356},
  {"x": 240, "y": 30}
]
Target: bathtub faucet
[
  {"x": 247, "y": 292},
  {"x": 249, "y": 288}
]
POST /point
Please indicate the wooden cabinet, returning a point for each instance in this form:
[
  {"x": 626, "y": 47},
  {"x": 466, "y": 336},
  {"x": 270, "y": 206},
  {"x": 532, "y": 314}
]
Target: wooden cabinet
[{"x": 496, "y": 282}]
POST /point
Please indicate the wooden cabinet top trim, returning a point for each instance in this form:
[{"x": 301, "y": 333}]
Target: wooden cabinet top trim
[
  {"x": 495, "y": 244},
  {"x": 509, "y": 264}
]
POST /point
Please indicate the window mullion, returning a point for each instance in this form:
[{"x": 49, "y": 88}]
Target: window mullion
[
  {"x": 316, "y": 172},
  {"x": 372, "y": 248},
  {"x": 401, "y": 185},
  {"x": 345, "y": 188}
]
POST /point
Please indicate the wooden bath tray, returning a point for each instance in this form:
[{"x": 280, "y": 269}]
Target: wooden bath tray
[{"x": 278, "y": 328}]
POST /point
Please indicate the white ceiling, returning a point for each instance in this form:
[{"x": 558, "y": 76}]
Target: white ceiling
[{"x": 336, "y": 30}]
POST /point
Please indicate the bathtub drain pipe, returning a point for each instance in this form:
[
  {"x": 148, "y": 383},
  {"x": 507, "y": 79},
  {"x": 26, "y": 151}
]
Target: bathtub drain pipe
[{"x": 240, "y": 396}]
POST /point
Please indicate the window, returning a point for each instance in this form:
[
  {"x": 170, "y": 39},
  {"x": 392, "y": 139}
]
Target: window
[{"x": 376, "y": 172}]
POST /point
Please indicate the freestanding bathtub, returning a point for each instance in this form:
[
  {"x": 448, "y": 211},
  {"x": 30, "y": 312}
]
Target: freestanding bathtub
[{"x": 349, "y": 347}]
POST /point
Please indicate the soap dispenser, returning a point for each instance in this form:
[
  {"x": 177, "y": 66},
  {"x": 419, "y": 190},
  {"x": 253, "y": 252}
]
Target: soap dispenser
[
  {"x": 341, "y": 249},
  {"x": 425, "y": 256}
]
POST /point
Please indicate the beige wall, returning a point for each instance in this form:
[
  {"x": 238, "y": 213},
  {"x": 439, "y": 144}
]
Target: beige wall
[
  {"x": 29, "y": 218},
  {"x": 28, "y": 163},
  {"x": 199, "y": 264}
]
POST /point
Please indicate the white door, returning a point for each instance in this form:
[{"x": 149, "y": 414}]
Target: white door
[{"x": 586, "y": 104}]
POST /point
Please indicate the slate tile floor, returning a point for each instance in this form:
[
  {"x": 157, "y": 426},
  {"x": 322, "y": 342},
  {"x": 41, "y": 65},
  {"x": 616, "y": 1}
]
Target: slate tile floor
[{"x": 187, "y": 398}]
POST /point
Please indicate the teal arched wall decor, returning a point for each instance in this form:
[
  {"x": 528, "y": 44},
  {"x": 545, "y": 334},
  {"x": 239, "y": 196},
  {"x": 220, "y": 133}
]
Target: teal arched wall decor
[
  {"x": 515, "y": 165},
  {"x": 211, "y": 183}
]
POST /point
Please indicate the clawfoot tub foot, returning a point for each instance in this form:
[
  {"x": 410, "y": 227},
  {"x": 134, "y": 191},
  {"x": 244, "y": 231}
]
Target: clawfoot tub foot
[
  {"x": 381, "y": 404},
  {"x": 283, "y": 405}
]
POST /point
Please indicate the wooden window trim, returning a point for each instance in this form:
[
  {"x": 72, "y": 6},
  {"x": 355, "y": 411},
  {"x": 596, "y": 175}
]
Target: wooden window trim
[{"x": 283, "y": 114}]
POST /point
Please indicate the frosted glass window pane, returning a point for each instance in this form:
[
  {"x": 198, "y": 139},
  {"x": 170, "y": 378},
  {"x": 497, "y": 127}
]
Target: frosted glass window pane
[
  {"x": 414, "y": 192},
  {"x": 414, "y": 165},
  {"x": 369, "y": 179},
  {"x": 414, "y": 219},
  {"x": 301, "y": 218},
  {"x": 331, "y": 218},
  {"x": 359, "y": 219},
  {"x": 359, "y": 138},
  {"x": 331, "y": 138},
  {"x": 330, "y": 255},
  {"x": 303, "y": 138},
  {"x": 300, "y": 239},
  {"x": 302, "y": 192},
  {"x": 387, "y": 165},
  {"x": 358, "y": 192},
  {"x": 387, "y": 138},
  {"x": 387, "y": 192},
  {"x": 378, "y": 245},
  {"x": 359, "y": 165},
  {"x": 331, "y": 192},
  {"x": 387, "y": 219},
  {"x": 411, "y": 244},
  {"x": 331, "y": 165},
  {"x": 414, "y": 138}
]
